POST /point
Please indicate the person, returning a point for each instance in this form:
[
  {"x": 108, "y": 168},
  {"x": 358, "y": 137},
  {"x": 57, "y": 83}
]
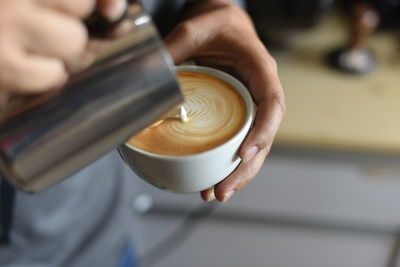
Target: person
[{"x": 84, "y": 220}]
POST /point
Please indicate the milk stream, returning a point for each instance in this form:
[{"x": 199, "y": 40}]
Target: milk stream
[{"x": 181, "y": 114}]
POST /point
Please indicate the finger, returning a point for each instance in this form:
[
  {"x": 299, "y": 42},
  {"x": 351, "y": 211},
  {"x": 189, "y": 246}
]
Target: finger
[
  {"x": 111, "y": 9},
  {"x": 77, "y": 8},
  {"x": 208, "y": 194},
  {"x": 54, "y": 35},
  {"x": 188, "y": 39},
  {"x": 32, "y": 73},
  {"x": 91, "y": 53},
  {"x": 182, "y": 43},
  {"x": 266, "y": 123},
  {"x": 245, "y": 172},
  {"x": 267, "y": 92}
]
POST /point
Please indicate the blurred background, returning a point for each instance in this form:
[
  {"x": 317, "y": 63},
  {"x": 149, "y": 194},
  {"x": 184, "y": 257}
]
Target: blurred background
[{"x": 329, "y": 193}]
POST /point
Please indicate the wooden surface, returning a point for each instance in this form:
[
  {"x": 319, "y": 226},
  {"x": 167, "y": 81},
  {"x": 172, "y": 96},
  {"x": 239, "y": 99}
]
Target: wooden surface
[{"x": 328, "y": 109}]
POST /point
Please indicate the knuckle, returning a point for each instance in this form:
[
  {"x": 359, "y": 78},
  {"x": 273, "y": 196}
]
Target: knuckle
[
  {"x": 279, "y": 97},
  {"x": 276, "y": 95},
  {"x": 265, "y": 142},
  {"x": 272, "y": 62},
  {"x": 78, "y": 40},
  {"x": 76, "y": 8},
  {"x": 236, "y": 16},
  {"x": 283, "y": 107},
  {"x": 185, "y": 28},
  {"x": 261, "y": 138},
  {"x": 9, "y": 68},
  {"x": 230, "y": 13},
  {"x": 84, "y": 8},
  {"x": 247, "y": 175},
  {"x": 41, "y": 82},
  {"x": 186, "y": 32}
]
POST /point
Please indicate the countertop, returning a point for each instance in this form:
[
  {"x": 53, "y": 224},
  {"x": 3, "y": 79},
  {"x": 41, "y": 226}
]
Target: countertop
[{"x": 332, "y": 110}]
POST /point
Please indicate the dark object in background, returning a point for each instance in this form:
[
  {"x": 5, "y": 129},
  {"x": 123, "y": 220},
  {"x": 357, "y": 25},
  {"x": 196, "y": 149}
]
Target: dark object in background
[
  {"x": 365, "y": 16},
  {"x": 353, "y": 61},
  {"x": 355, "y": 57},
  {"x": 388, "y": 10},
  {"x": 275, "y": 20},
  {"x": 293, "y": 13}
]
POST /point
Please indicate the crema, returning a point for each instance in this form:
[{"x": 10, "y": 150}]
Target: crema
[{"x": 216, "y": 112}]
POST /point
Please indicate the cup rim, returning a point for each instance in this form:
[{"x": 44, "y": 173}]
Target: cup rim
[{"x": 234, "y": 82}]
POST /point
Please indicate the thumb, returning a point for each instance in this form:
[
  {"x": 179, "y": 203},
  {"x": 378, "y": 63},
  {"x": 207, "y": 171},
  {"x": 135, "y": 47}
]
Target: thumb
[{"x": 184, "y": 42}]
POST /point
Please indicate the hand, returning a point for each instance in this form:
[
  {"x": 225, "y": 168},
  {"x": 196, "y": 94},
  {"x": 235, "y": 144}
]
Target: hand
[
  {"x": 219, "y": 33},
  {"x": 38, "y": 38}
]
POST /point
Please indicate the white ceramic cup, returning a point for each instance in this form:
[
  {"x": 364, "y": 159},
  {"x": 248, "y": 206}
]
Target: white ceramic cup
[{"x": 196, "y": 172}]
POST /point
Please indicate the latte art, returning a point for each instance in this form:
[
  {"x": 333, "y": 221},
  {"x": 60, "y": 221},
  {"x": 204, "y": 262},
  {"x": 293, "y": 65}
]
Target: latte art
[{"x": 215, "y": 111}]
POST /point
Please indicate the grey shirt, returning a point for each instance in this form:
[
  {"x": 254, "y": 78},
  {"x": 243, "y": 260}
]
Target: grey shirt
[
  {"x": 86, "y": 220},
  {"x": 83, "y": 221}
]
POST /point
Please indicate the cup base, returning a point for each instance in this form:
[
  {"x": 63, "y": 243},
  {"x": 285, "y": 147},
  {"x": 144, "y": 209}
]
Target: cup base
[{"x": 188, "y": 185}]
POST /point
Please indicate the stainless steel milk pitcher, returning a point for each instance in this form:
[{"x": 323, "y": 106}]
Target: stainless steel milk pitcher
[{"x": 48, "y": 137}]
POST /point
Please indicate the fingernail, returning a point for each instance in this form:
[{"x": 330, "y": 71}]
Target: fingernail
[
  {"x": 115, "y": 11},
  {"x": 250, "y": 153},
  {"x": 210, "y": 197},
  {"x": 228, "y": 196}
]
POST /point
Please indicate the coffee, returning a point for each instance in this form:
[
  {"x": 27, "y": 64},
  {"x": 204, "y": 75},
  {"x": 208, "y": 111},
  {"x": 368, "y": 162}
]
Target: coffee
[
  {"x": 206, "y": 146},
  {"x": 216, "y": 112}
]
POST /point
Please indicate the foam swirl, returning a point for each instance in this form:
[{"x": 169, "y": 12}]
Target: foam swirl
[{"x": 216, "y": 112}]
